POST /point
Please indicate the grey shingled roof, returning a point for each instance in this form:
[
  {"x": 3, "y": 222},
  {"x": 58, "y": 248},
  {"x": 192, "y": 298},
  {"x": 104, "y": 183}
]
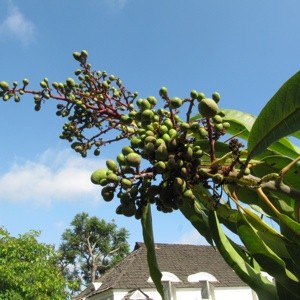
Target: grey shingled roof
[{"x": 181, "y": 260}]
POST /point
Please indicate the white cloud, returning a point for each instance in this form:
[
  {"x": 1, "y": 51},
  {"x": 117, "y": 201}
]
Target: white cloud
[
  {"x": 192, "y": 238},
  {"x": 54, "y": 176},
  {"x": 17, "y": 26}
]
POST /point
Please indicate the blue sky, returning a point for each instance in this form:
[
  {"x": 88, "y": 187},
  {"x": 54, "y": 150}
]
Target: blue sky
[{"x": 243, "y": 49}]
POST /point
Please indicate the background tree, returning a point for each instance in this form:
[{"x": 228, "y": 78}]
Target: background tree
[
  {"x": 29, "y": 269},
  {"x": 90, "y": 247},
  {"x": 193, "y": 160}
]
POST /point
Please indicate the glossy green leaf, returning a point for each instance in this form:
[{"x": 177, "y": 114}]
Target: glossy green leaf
[
  {"x": 198, "y": 219},
  {"x": 276, "y": 241},
  {"x": 279, "y": 118},
  {"x": 262, "y": 286},
  {"x": 290, "y": 228},
  {"x": 266, "y": 257},
  {"x": 151, "y": 254}
]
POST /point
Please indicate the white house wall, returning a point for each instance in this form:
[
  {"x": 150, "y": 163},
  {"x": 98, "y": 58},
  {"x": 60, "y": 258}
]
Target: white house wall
[{"x": 238, "y": 293}]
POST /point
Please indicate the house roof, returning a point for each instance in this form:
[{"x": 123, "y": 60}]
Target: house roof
[{"x": 181, "y": 260}]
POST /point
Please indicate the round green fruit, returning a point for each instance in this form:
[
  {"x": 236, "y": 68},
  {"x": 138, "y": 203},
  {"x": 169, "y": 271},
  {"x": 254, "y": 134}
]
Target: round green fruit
[
  {"x": 194, "y": 94},
  {"x": 126, "y": 150},
  {"x": 152, "y": 100},
  {"x": 4, "y": 85},
  {"x": 112, "y": 165},
  {"x": 126, "y": 183},
  {"x": 121, "y": 159},
  {"x": 175, "y": 102},
  {"x": 133, "y": 159},
  {"x": 160, "y": 167},
  {"x": 163, "y": 92},
  {"x": 216, "y": 97},
  {"x": 208, "y": 108},
  {"x": 108, "y": 193},
  {"x": 98, "y": 175}
]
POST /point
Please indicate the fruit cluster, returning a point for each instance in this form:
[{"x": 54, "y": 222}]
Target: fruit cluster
[
  {"x": 180, "y": 152},
  {"x": 168, "y": 143}
]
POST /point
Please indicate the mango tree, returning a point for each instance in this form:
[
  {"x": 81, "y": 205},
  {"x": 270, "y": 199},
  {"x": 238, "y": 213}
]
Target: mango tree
[{"x": 221, "y": 168}]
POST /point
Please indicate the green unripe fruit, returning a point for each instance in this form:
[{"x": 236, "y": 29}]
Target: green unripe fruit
[
  {"x": 203, "y": 132},
  {"x": 112, "y": 178},
  {"x": 97, "y": 152},
  {"x": 125, "y": 119},
  {"x": 98, "y": 175},
  {"x": 119, "y": 210},
  {"x": 121, "y": 159},
  {"x": 77, "y": 55},
  {"x": 160, "y": 167},
  {"x": 200, "y": 96},
  {"x": 172, "y": 132},
  {"x": 163, "y": 129},
  {"x": 43, "y": 84},
  {"x": 168, "y": 123},
  {"x": 70, "y": 82},
  {"x": 188, "y": 154},
  {"x": 144, "y": 104},
  {"x": 152, "y": 100},
  {"x": 150, "y": 139},
  {"x": 112, "y": 165},
  {"x": 208, "y": 108},
  {"x": 184, "y": 172},
  {"x": 133, "y": 159},
  {"x": 147, "y": 115},
  {"x": 84, "y": 53},
  {"x": 161, "y": 153},
  {"x": 188, "y": 195},
  {"x": 25, "y": 81},
  {"x": 198, "y": 153},
  {"x": 163, "y": 92},
  {"x": 216, "y": 97},
  {"x": 129, "y": 209},
  {"x": 171, "y": 164},
  {"x": 160, "y": 142},
  {"x": 136, "y": 142},
  {"x": 149, "y": 148},
  {"x": 150, "y": 132},
  {"x": 226, "y": 125},
  {"x": 166, "y": 137},
  {"x": 126, "y": 150},
  {"x": 217, "y": 119},
  {"x": 4, "y": 85},
  {"x": 108, "y": 193},
  {"x": 175, "y": 102},
  {"x": 217, "y": 178},
  {"x": 184, "y": 126},
  {"x": 126, "y": 183},
  {"x": 194, "y": 127},
  {"x": 219, "y": 127},
  {"x": 179, "y": 185},
  {"x": 194, "y": 94},
  {"x": 247, "y": 171}
]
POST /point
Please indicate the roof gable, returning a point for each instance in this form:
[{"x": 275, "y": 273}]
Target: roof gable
[{"x": 180, "y": 260}]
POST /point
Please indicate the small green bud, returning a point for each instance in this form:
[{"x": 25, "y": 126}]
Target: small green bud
[
  {"x": 163, "y": 92},
  {"x": 4, "y": 85}
]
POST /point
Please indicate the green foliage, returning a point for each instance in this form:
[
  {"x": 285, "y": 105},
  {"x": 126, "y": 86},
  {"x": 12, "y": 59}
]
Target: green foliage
[
  {"x": 219, "y": 167},
  {"x": 29, "y": 269},
  {"x": 89, "y": 248}
]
